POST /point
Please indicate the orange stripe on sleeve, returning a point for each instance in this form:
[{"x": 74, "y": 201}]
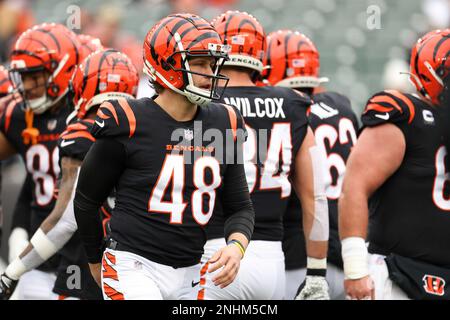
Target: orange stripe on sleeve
[
  {"x": 130, "y": 115},
  {"x": 377, "y": 107},
  {"x": 78, "y": 134},
  {"x": 102, "y": 115},
  {"x": 108, "y": 106},
  {"x": 233, "y": 120},
  {"x": 412, "y": 110},
  {"x": 76, "y": 126},
  {"x": 386, "y": 99}
]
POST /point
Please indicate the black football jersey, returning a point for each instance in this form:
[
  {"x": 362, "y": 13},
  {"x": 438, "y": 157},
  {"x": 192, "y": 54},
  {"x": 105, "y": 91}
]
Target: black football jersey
[
  {"x": 335, "y": 127},
  {"x": 276, "y": 122},
  {"x": 41, "y": 159},
  {"x": 410, "y": 212},
  {"x": 173, "y": 178},
  {"x": 75, "y": 143}
]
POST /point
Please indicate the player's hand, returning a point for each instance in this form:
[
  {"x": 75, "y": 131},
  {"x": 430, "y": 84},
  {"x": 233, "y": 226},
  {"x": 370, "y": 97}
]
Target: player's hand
[
  {"x": 18, "y": 241},
  {"x": 7, "y": 286},
  {"x": 96, "y": 271},
  {"x": 229, "y": 258},
  {"x": 360, "y": 289},
  {"x": 313, "y": 288}
]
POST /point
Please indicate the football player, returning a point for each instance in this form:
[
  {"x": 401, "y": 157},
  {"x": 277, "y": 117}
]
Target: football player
[
  {"x": 175, "y": 160},
  {"x": 395, "y": 193},
  {"x": 5, "y": 89},
  {"x": 280, "y": 145},
  {"x": 293, "y": 61},
  {"x": 42, "y": 62},
  {"x": 104, "y": 75}
]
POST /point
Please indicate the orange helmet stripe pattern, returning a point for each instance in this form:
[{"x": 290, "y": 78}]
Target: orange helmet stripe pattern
[
  {"x": 245, "y": 37},
  {"x": 103, "y": 72},
  {"x": 430, "y": 65},
  {"x": 291, "y": 55},
  {"x": 170, "y": 43},
  {"x": 184, "y": 26},
  {"x": 52, "y": 47}
]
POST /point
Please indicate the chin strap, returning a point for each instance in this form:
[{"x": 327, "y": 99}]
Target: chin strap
[{"x": 30, "y": 134}]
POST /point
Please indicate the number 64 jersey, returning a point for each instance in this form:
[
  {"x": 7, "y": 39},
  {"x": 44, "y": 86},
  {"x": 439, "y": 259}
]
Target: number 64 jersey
[{"x": 410, "y": 212}]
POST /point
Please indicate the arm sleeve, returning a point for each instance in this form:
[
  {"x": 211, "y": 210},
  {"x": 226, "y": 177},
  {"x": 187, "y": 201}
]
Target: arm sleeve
[
  {"x": 22, "y": 210},
  {"x": 238, "y": 209},
  {"x": 99, "y": 174}
]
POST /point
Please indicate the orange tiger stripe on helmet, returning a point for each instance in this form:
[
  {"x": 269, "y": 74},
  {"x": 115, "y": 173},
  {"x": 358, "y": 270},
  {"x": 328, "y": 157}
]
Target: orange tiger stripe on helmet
[
  {"x": 167, "y": 48},
  {"x": 429, "y": 64},
  {"x": 292, "y": 60},
  {"x": 103, "y": 75},
  {"x": 245, "y": 37},
  {"x": 160, "y": 44},
  {"x": 51, "y": 47}
]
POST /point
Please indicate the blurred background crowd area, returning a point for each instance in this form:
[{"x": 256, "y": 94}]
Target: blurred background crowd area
[{"x": 358, "y": 60}]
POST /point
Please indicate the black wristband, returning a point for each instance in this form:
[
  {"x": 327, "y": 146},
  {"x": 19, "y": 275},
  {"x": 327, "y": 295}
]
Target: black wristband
[{"x": 316, "y": 272}]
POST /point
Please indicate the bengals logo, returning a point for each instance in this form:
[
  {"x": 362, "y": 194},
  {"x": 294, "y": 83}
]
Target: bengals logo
[{"x": 434, "y": 285}]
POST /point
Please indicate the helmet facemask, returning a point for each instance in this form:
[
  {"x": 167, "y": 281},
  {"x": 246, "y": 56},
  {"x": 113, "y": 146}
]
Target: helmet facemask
[
  {"x": 194, "y": 94},
  {"x": 43, "y": 103}
]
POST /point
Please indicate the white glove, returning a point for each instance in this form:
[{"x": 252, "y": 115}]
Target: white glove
[
  {"x": 18, "y": 241},
  {"x": 314, "y": 288}
]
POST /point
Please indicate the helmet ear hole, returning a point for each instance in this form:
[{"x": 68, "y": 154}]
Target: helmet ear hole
[
  {"x": 165, "y": 65},
  {"x": 171, "y": 61}
]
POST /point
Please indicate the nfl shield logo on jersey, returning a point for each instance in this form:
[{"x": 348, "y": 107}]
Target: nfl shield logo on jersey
[
  {"x": 51, "y": 124},
  {"x": 188, "y": 134}
]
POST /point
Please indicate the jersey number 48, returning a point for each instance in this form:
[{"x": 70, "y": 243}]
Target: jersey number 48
[{"x": 172, "y": 172}]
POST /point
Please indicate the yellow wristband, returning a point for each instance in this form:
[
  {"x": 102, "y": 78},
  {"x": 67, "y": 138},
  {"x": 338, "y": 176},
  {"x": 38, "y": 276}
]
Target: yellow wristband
[{"x": 238, "y": 244}]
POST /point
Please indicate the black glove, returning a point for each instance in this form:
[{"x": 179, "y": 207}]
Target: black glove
[{"x": 7, "y": 287}]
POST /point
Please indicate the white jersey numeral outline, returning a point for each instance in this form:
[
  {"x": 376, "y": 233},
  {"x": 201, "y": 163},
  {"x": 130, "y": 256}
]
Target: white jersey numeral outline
[
  {"x": 173, "y": 170},
  {"x": 40, "y": 166},
  {"x": 335, "y": 160},
  {"x": 274, "y": 175}
]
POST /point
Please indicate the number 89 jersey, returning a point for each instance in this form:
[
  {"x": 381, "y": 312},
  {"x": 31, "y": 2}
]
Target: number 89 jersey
[
  {"x": 173, "y": 176},
  {"x": 410, "y": 212},
  {"x": 276, "y": 123},
  {"x": 41, "y": 158}
]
